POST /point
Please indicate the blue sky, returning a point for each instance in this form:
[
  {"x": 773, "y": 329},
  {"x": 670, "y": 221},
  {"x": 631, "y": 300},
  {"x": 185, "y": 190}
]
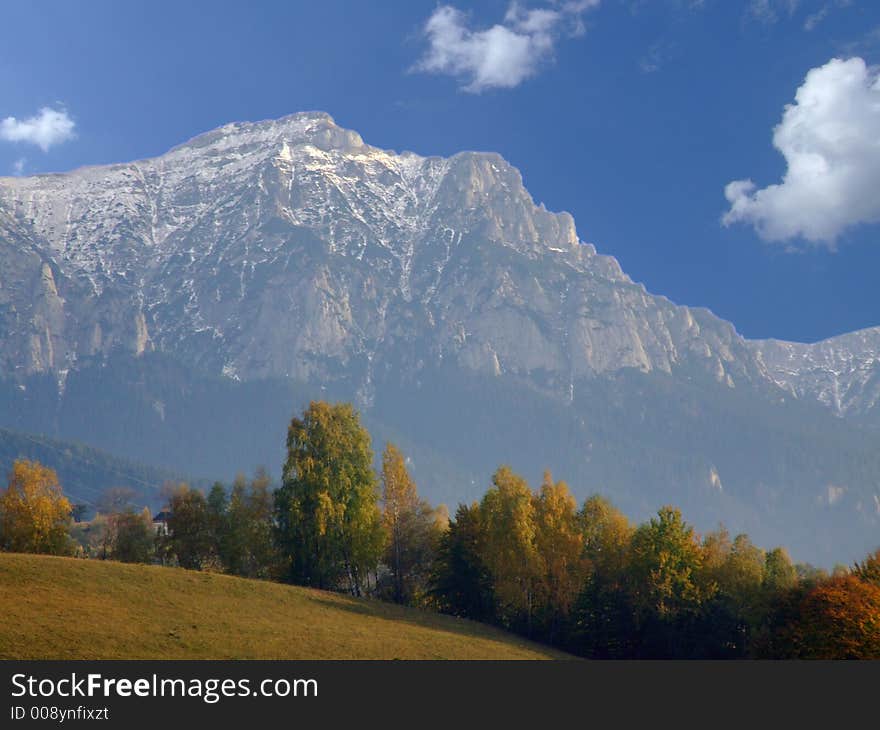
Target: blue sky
[{"x": 635, "y": 116}]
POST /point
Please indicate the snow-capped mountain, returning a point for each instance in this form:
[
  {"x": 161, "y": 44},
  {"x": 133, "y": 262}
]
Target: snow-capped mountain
[
  {"x": 468, "y": 323},
  {"x": 842, "y": 373},
  {"x": 265, "y": 249}
]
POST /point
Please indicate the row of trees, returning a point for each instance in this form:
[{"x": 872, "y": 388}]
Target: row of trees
[
  {"x": 333, "y": 524},
  {"x": 231, "y": 531},
  {"x": 591, "y": 582},
  {"x": 580, "y": 577}
]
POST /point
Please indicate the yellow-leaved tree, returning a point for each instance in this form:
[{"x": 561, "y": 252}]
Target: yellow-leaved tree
[
  {"x": 413, "y": 528},
  {"x": 34, "y": 513},
  {"x": 559, "y": 540},
  {"x": 511, "y": 554}
]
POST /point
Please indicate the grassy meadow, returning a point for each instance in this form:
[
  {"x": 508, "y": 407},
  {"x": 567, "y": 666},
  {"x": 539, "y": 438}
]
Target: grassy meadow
[{"x": 63, "y": 608}]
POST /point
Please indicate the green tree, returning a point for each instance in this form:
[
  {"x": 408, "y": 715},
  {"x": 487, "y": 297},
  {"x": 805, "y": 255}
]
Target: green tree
[
  {"x": 779, "y": 572},
  {"x": 234, "y": 548},
  {"x": 190, "y": 539},
  {"x": 666, "y": 558},
  {"x": 460, "y": 582},
  {"x": 218, "y": 521},
  {"x": 330, "y": 528},
  {"x": 665, "y": 586},
  {"x": 133, "y": 536},
  {"x": 250, "y": 549},
  {"x": 741, "y": 575}
]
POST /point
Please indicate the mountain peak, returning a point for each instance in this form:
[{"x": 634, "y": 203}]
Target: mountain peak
[{"x": 316, "y": 128}]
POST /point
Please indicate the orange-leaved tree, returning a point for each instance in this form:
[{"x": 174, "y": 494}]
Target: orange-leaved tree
[{"x": 838, "y": 619}]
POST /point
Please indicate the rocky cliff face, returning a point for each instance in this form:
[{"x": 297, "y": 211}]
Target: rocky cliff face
[
  {"x": 291, "y": 248},
  {"x": 842, "y": 373}
]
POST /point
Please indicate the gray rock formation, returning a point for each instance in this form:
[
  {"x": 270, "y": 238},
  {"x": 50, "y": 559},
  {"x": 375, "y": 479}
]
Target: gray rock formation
[{"x": 268, "y": 249}]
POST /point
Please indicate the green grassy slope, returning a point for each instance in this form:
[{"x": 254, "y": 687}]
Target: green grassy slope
[{"x": 62, "y": 608}]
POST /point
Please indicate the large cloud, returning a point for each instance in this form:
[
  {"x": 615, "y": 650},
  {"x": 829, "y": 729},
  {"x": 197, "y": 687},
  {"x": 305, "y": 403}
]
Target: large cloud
[
  {"x": 504, "y": 55},
  {"x": 830, "y": 138},
  {"x": 49, "y": 127}
]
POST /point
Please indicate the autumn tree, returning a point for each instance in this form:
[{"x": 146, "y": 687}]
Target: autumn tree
[
  {"x": 603, "y": 622},
  {"x": 510, "y": 551},
  {"x": 837, "y": 618},
  {"x": 559, "y": 542},
  {"x": 732, "y": 578},
  {"x": 329, "y": 523},
  {"x": 869, "y": 569},
  {"x": 412, "y": 526},
  {"x": 742, "y": 574},
  {"x": 34, "y": 513}
]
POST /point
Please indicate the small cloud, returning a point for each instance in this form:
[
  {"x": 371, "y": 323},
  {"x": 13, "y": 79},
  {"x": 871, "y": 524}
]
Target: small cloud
[
  {"x": 656, "y": 57},
  {"x": 48, "y": 128},
  {"x": 829, "y": 138},
  {"x": 504, "y": 55},
  {"x": 18, "y": 166},
  {"x": 814, "y": 19},
  {"x": 768, "y": 11},
  {"x": 866, "y": 45}
]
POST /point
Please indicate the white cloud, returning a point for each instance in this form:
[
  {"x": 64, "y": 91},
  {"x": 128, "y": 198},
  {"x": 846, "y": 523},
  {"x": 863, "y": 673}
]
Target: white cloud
[
  {"x": 504, "y": 55},
  {"x": 768, "y": 11},
  {"x": 814, "y": 19},
  {"x": 823, "y": 12},
  {"x": 18, "y": 166},
  {"x": 830, "y": 138},
  {"x": 49, "y": 127},
  {"x": 656, "y": 57}
]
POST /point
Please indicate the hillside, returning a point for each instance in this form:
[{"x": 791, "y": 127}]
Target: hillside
[
  {"x": 61, "y": 608},
  {"x": 84, "y": 472}
]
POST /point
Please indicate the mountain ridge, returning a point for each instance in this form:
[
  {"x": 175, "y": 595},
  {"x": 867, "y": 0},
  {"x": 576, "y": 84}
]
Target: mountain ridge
[
  {"x": 292, "y": 259},
  {"x": 474, "y": 179},
  {"x": 262, "y": 148}
]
